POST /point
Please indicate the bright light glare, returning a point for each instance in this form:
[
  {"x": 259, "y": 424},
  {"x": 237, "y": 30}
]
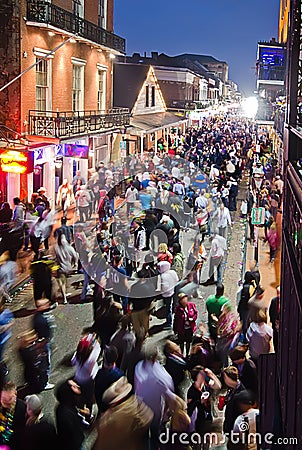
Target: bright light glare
[{"x": 250, "y": 107}]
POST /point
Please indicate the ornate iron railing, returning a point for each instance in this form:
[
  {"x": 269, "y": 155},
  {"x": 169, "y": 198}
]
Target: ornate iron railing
[
  {"x": 76, "y": 123},
  {"x": 47, "y": 13}
]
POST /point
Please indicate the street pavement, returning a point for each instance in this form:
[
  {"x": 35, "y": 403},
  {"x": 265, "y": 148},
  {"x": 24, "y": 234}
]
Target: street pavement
[{"x": 72, "y": 318}]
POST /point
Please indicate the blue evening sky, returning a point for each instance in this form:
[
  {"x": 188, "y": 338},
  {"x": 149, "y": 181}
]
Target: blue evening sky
[{"x": 226, "y": 29}]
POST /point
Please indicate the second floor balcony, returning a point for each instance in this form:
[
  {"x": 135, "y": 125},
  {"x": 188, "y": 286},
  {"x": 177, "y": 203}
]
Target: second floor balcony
[
  {"x": 44, "y": 12},
  {"x": 69, "y": 124}
]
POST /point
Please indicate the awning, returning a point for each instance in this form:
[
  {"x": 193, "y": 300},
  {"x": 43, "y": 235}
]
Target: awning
[
  {"x": 149, "y": 123},
  {"x": 40, "y": 141}
]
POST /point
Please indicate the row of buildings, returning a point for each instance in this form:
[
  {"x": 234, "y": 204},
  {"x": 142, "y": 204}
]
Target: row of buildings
[{"x": 69, "y": 97}]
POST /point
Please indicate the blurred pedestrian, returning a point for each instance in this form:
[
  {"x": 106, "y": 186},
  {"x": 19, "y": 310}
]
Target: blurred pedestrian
[
  {"x": 85, "y": 360},
  {"x": 125, "y": 422},
  {"x": 12, "y": 417},
  {"x": 274, "y": 314},
  {"x": 184, "y": 324},
  {"x": 39, "y": 432},
  {"x": 68, "y": 420},
  {"x": 66, "y": 258}
]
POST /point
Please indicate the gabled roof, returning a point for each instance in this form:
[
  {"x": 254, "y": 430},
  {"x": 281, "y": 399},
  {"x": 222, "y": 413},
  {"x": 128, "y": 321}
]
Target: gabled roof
[
  {"x": 127, "y": 83},
  {"x": 203, "y": 59}
]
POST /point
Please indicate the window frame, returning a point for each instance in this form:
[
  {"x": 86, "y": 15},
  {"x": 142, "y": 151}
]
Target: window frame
[
  {"x": 47, "y": 62},
  {"x": 101, "y": 102},
  {"x": 78, "y": 65}
]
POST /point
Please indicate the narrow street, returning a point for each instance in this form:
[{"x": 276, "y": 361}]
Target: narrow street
[{"x": 71, "y": 319}]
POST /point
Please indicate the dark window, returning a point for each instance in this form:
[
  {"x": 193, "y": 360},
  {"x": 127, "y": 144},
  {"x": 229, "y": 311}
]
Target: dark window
[
  {"x": 153, "y": 96},
  {"x": 147, "y": 96}
]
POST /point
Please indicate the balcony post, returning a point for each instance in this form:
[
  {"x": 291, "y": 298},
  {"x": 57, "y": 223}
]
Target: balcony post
[{"x": 142, "y": 143}]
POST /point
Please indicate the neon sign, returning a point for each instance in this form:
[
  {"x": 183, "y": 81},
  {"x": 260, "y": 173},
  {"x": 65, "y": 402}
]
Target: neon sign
[{"x": 16, "y": 162}]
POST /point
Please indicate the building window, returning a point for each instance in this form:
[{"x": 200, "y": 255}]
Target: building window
[
  {"x": 101, "y": 90},
  {"x": 77, "y": 87},
  {"x": 42, "y": 85},
  {"x": 102, "y": 14},
  {"x": 153, "y": 96},
  {"x": 147, "y": 96},
  {"x": 78, "y": 8}
]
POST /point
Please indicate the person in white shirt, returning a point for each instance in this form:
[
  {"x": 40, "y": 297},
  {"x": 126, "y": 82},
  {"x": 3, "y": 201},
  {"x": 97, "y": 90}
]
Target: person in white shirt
[
  {"x": 279, "y": 185},
  {"x": 85, "y": 360},
  {"x": 214, "y": 173},
  {"x": 169, "y": 280},
  {"x": 245, "y": 428},
  {"x": 156, "y": 160},
  {"x": 218, "y": 247},
  {"x": 83, "y": 198},
  {"x": 131, "y": 197},
  {"x": 187, "y": 181},
  {"x": 201, "y": 202},
  {"x": 224, "y": 219},
  {"x": 179, "y": 189},
  {"x": 154, "y": 386},
  {"x": 259, "y": 336},
  {"x": 175, "y": 172}
]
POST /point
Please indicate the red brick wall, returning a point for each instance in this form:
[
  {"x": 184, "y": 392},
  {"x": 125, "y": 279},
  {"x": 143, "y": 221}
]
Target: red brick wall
[
  {"x": 91, "y": 11},
  {"x": 16, "y": 54},
  {"x": 65, "y": 4},
  {"x": 62, "y": 71},
  {"x": 10, "y": 65},
  {"x": 110, "y": 13}
]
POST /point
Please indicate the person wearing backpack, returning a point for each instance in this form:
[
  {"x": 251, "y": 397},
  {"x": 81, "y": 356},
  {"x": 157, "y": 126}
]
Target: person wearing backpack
[{"x": 178, "y": 263}]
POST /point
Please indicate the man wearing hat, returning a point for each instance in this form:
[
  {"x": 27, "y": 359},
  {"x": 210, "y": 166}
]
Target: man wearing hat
[
  {"x": 126, "y": 421},
  {"x": 43, "y": 196},
  {"x": 230, "y": 378}
]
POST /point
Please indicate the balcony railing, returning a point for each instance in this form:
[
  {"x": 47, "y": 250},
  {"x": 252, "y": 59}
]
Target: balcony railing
[
  {"x": 47, "y": 13},
  {"x": 271, "y": 73},
  {"x": 76, "y": 123}
]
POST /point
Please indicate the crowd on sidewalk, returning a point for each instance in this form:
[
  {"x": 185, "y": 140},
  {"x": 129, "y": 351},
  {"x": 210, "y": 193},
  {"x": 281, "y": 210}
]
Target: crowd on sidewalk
[{"x": 131, "y": 258}]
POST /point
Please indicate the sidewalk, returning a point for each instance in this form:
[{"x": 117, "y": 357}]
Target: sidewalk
[{"x": 270, "y": 273}]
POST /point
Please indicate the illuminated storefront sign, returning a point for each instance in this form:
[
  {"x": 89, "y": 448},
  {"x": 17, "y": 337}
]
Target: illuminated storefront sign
[
  {"x": 76, "y": 151},
  {"x": 16, "y": 162}
]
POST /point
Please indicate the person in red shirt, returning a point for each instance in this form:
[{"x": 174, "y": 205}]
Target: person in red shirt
[{"x": 185, "y": 321}]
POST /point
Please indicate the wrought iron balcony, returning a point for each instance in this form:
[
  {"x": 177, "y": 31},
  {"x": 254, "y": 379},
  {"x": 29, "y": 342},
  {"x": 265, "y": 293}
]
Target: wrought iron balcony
[
  {"x": 47, "y": 13},
  {"x": 76, "y": 123}
]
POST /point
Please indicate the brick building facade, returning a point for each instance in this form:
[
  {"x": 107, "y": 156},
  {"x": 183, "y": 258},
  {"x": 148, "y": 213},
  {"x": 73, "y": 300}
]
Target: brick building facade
[{"x": 67, "y": 96}]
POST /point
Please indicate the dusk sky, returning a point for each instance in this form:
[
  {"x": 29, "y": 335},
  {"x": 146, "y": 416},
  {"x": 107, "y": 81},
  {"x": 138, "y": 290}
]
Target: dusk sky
[{"x": 226, "y": 29}]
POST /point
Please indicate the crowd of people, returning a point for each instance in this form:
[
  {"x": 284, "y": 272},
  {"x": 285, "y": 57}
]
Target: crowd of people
[{"x": 144, "y": 255}]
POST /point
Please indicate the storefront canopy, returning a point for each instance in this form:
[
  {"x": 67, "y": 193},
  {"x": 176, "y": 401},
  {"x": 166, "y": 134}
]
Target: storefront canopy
[{"x": 149, "y": 123}]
